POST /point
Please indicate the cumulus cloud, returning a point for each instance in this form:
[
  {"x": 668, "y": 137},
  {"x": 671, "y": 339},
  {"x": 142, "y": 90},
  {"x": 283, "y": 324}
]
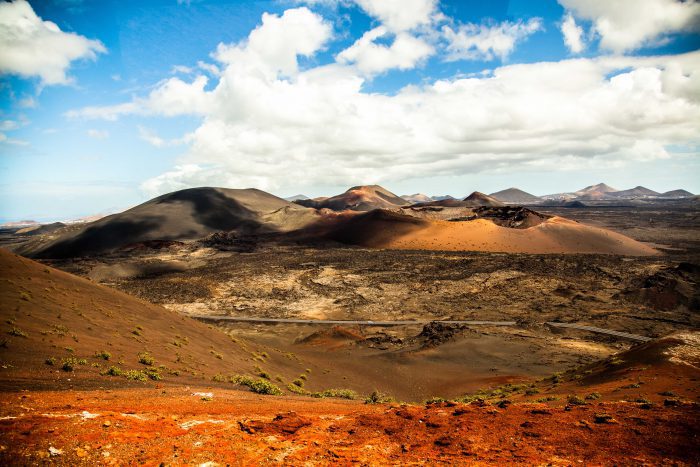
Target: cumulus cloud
[
  {"x": 573, "y": 34},
  {"x": 625, "y": 25},
  {"x": 170, "y": 97},
  {"x": 322, "y": 129},
  {"x": 267, "y": 124},
  {"x": 30, "y": 46},
  {"x": 156, "y": 141},
  {"x": 400, "y": 15},
  {"x": 275, "y": 45},
  {"x": 486, "y": 42},
  {"x": 369, "y": 57}
]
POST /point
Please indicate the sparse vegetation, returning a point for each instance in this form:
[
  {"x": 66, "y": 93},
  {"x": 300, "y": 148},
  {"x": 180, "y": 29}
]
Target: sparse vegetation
[
  {"x": 296, "y": 389},
  {"x": 146, "y": 358},
  {"x": 575, "y": 400},
  {"x": 219, "y": 378},
  {"x": 51, "y": 361},
  {"x": 259, "y": 386},
  {"x": 547, "y": 399},
  {"x": 593, "y": 396},
  {"x": 435, "y": 400},
  {"x": 136, "y": 375},
  {"x": 70, "y": 363},
  {"x": 17, "y": 332},
  {"x": 377, "y": 397},
  {"x": 113, "y": 371},
  {"x": 337, "y": 393},
  {"x": 103, "y": 354}
]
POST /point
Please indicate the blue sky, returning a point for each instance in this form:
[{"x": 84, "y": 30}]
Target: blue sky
[{"x": 444, "y": 97}]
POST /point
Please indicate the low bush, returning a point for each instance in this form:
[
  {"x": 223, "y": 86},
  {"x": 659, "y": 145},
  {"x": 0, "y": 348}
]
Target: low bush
[
  {"x": 258, "y": 386},
  {"x": 337, "y": 393},
  {"x": 146, "y": 358},
  {"x": 575, "y": 400},
  {"x": 103, "y": 354},
  {"x": 377, "y": 397},
  {"x": 112, "y": 371}
]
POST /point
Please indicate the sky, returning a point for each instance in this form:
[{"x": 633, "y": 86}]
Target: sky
[{"x": 105, "y": 104}]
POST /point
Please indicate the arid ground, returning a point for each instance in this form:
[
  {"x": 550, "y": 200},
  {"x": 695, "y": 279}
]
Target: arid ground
[{"x": 638, "y": 410}]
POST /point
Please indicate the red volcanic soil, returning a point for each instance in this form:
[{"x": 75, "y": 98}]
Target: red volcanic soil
[
  {"x": 174, "y": 426},
  {"x": 391, "y": 230}
]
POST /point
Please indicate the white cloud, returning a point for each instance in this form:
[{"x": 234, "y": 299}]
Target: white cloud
[
  {"x": 154, "y": 140},
  {"x": 369, "y": 57},
  {"x": 185, "y": 70},
  {"x": 625, "y": 25},
  {"x": 275, "y": 44},
  {"x": 98, "y": 134},
  {"x": 151, "y": 138},
  {"x": 267, "y": 124},
  {"x": 171, "y": 97},
  {"x": 400, "y": 15},
  {"x": 8, "y": 125},
  {"x": 30, "y": 46},
  {"x": 322, "y": 129},
  {"x": 573, "y": 34},
  {"x": 485, "y": 42},
  {"x": 209, "y": 68}
]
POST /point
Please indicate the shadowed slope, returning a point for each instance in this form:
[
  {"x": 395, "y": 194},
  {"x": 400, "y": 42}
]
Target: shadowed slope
[
  {"x": 181, "y": 215},
  {"x": 48, "y": 314}
]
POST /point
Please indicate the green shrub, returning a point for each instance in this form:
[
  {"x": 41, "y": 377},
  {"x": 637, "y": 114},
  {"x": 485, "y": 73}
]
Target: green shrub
[
  {"x": 377, "y": 397},
  {"x": 146, "y": 358},
  {"x": 259, "y": 386},
  {"x": 593, "y": 396},
  {"x": 112, "y": 371},
  {"x": 296, "y": 389},
  {"x": 136, "y": 375},
  {"x": 262, "y": 386},
  {"x": 337, "y": 393},
  {"x": 50, "y": 361},
  {"x": 103, "y": 354},
  {"x": 219, "y": 378},
  {"x": 575, "y": 400},
  {"x": 299, "y": 382},
  {"x": 69, "y": 364},
  {"x": 435, "y": 400},
  {"x": 547, "y": 399},
  {"x": 17, "y": 332},
  {"x": 531, "y": 391}
]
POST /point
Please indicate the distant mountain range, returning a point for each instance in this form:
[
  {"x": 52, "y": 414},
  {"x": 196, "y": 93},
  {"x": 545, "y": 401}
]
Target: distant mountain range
[{"x": 602, "y": 191}]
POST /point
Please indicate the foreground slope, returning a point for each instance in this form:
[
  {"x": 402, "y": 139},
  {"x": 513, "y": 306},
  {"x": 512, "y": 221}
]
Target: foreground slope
[
  {"x": 50, "y": 317},
  {"x": 181, "y": 215},
  {"x": 646, "y": 425},
  {"x": 384, "y": 229}
]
